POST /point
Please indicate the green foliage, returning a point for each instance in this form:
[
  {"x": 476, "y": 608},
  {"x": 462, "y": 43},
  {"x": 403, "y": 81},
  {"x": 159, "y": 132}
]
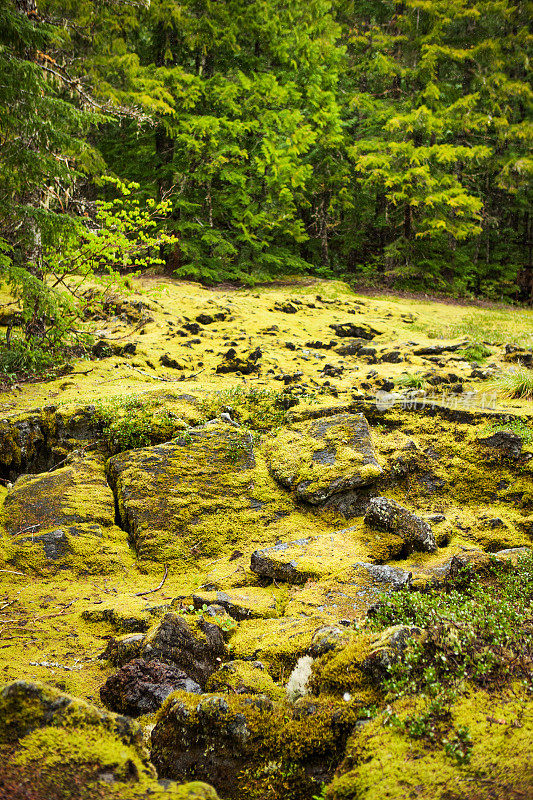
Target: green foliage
[
  {"x": 256, "y": 409},
  {"x": 478, "y": 631},
  {"x": 475, "y": 352},
  {"x": 411, "y": 381},
  {"x": 225, "y": 622},
  {"x": 517, "y": 382},
  {"x": 128, "y": 422},
  {"x": 19, "y": 358},
  {"x": 521, "y": 428}
]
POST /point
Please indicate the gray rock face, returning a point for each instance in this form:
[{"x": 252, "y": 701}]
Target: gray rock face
[
  {"x": 325, "y": 457},
  {"x": 197, "y": 651},
  {"x": 505, "y": 443},
  {"x": 265, "y": 562},
  {"x": 392, "y": 578},
  {"x": 388, "y": 515},
  {"x": 141, "y": 687}
]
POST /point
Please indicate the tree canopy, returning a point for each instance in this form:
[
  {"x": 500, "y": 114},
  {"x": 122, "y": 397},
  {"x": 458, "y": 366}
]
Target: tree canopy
[{"x": 381, "y": 141}]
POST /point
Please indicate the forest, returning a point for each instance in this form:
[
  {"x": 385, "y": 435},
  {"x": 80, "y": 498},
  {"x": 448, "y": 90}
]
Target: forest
[{"x": 378, "y": 141}]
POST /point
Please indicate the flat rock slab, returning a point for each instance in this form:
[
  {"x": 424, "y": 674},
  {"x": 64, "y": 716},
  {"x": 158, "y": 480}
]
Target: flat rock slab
[
  {"x": 199, "y": 495},
  {"x": 388, "y": 515},
  {"x": 247, "y": 603},
  {"x": 350, "y": 595},
  {"x": 278, "y": 643},
  {"x": 312, "y": 557},
  {"x": 64, "y": 518},
  {"x": 324, "y": 457}
]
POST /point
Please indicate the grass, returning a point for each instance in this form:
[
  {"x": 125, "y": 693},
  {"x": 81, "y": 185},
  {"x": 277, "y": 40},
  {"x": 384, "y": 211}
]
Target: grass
[
  {"x": 515, "y": 383},
  {"x": 491, "y": 326},
  {"x": 515, "y": 426},
  {"x": 411, "y": 381},
  {"x": 478, "y": 631}
]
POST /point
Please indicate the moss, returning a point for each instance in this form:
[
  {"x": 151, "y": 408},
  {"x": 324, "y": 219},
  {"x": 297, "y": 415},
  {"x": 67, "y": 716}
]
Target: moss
[
  {"x": 83, "y": 765},
  {"x": 244, "y": 677},
  {"x": 381, "y": 763},
  {"x": 279, "y": 643}
]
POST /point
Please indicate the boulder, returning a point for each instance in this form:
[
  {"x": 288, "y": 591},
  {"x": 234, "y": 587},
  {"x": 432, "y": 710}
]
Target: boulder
[
  {"x": 388, "y": 515},
  {"x": 196, "y": 647},
  {"x": 354, "y": 331},
  {"x": 65, "y": 518},
  {"x": 504, "y": 443},
  {"x": 324, "y": 457},
  {"x": 140, "y": 687}
]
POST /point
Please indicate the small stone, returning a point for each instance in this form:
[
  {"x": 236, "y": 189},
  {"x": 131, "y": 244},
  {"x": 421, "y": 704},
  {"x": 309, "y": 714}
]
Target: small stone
[{"x": 388, "y": 515}]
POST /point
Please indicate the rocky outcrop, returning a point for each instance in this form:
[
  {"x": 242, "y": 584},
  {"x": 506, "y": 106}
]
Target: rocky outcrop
[
  {"x": 65, "y": 519},
  {"x": 140, "y": 687},
  {"x": 197, "y": 649},
  {"x": 321, "y": 458}
]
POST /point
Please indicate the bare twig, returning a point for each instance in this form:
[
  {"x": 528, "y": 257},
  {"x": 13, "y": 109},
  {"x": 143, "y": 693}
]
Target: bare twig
[
  {"x": 157, "y": 588},
  {"x": 12, "y": 572}
]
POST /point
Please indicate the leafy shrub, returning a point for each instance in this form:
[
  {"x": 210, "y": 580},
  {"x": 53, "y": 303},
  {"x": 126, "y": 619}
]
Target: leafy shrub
[
  {"x": 478, "y": 631},
  {"x": 128, "y": 422},
  {"x": 515, "y": 426}
]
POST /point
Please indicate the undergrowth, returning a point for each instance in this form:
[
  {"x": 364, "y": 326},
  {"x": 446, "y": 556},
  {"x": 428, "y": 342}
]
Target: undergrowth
[
  {"x": 478, "y": 632},
  {"x": 514, "y": 426},
  {"x": 256, "y": 409},
  {"x": 128, "y": 422}
]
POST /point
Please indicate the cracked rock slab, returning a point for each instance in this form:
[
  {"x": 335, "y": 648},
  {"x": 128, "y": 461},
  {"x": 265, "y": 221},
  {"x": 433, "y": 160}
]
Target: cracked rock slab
[
  {"x": 308, "y": 558},
  {"x": 324, "y": 457},
  {"x": 350, "y": 595}
]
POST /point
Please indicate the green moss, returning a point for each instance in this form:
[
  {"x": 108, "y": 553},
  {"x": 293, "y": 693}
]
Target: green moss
[
  {"x": 244, "y": 677},
  {"x": 381, "y": 764}
]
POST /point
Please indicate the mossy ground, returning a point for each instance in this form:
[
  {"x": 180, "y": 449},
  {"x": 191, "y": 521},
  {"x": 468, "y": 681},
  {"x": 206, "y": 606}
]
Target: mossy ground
[{"x": 433, "y": 464}]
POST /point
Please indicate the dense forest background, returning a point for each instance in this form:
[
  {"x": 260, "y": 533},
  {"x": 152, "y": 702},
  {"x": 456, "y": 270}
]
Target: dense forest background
[{"x": 241, "y": 140}]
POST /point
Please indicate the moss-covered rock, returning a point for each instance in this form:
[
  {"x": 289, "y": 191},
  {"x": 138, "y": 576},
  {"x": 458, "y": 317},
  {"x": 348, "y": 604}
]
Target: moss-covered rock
[
  {"x": 64, "y": 519},
  {"x": 244, "y": 677},
  {"x": 350, "y": 594},
  {"x": 325, "y": 457},
  {"x": 196, "y": 645},
  {"x": 200, "y": 495},
  {"x": 388, "y": 515},
  {"x": 81, "y": 764},
  {"x": 248, "y": 603},
  {"x": 233, "y": 740}
]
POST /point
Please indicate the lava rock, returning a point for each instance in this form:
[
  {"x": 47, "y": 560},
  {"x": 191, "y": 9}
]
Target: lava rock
[
  {"x": 141, "y": 687},
  {"x": 198, "y": 651},
  {"x": 345, "y": 329},
  {"x": 505, "y": 443}
]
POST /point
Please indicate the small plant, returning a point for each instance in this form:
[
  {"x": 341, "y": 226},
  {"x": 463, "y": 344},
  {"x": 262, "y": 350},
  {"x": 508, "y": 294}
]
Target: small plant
[
  {"x": 257, "y": 409},
  {"x": 225, "y": 623},
  {"x": 514, "y": 425},
  {"x": 478, "y": 632},
  {"x": 516, "y": 383},
  {"x": 411, "y": 381},
  {"x": 127, "y": 422},
  {"x": 475, "y": 352}
]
